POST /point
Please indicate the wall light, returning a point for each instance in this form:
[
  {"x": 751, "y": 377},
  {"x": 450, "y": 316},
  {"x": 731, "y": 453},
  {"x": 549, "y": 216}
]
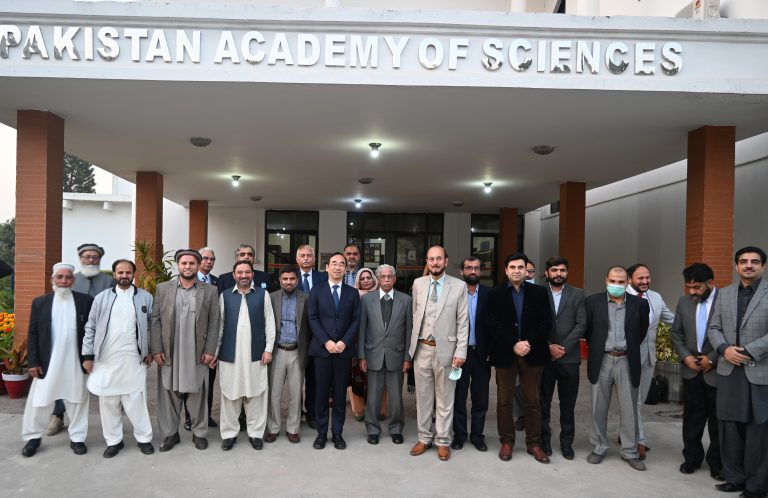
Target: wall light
[
  {"x": 487, "y": 188},
  {"x": 358, "y": 203},
  {"x": 374, "y": 149},
  {"x": 236, "y": 180}
]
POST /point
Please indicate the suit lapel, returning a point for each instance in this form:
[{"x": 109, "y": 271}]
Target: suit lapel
[
  {"x": 300, "y": 300},
  {"x": 734, "y": 298},
  {"x": 762, "y": 289},
  {"x": 563, "y": 298},
  {"x": 376, "y": 304},
  {"x": 278, "y": 312}
]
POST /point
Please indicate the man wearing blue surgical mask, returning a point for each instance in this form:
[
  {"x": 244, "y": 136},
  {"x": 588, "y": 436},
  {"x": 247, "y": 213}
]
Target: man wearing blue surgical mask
[{"x": 617, "y": 323}]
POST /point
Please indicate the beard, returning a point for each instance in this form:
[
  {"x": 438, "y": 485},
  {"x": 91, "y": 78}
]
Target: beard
[
  {"x": 62, "y": 292},
  {"x": 89, "y": 270},
  {"x": 472, "y": 279},
  {"x": 557, "y": 281},
  {"x": 704, "y": 296}
]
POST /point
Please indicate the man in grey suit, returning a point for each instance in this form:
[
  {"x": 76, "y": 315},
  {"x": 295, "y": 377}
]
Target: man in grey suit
[
  {"x": 438, "y": 346},
  {"x": 385, "y": 329},
  {"x": 689, "y": 336},
  {"x": 289, "y": 355},
  {"x": 639, "y": 285},
  {"x": 738, "y": 332},
  {"x": 570, "y": 322}
]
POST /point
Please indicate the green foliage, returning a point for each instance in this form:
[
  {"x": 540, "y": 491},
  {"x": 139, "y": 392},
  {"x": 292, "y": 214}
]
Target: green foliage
[
  {"x": 8, "y": 241},
  {"x": 154, "y": 272},
  {"x": 6, "y": 300},
  {"x": 664, "y": 349},
  {"x": 15, "y": 359},
  {"x": 78, "y": 175}
]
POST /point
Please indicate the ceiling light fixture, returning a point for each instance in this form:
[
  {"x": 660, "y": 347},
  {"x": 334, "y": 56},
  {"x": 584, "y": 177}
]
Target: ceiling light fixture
[
  {"x": 543, "y": 150},
  {"x": 358, "y": 203},
  {"x": 200, "y": 141},
  {"x": 374, "y": 149},
  {"x": 487, "y": 188},
  {"x": 236, "y": 180}
]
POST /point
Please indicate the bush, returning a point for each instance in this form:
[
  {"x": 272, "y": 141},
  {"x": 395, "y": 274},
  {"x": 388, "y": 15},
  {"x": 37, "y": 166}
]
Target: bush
[{"x": 6, "y": 301}]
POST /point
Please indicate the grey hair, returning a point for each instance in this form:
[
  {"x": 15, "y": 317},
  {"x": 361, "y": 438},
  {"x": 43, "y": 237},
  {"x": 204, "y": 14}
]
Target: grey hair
[
  {"x": 384, "y": 267},
  {"x": 302, "y": 246},
  {"x": 243, "y": 246},
  {"x": 204, "y": 249}
]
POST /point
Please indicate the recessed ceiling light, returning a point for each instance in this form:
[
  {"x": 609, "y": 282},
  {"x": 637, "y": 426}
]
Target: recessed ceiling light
[
  {"x": 374, "y": 149},
  {"x": 236, "y": 180},
  {"x": 200, "y": 141},
  {"x": 543, "y": 150},
  {"x": 487, "y": 189},
  {"x": 255, "y": 198},
  {"x": 358, "y": 203},
  {"x": 457, "y": 203}
]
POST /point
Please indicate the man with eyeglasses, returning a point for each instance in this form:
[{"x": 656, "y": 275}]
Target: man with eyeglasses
[
  {"x": 260, "y": 279},
  {"x": 206, "y": 265}
]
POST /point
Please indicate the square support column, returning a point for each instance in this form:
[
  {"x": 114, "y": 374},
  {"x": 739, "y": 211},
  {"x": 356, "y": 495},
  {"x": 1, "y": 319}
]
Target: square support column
[
  {"x": 508, "y": 242},
  {"x": 198, "y": 224},
  {"x": 39, "y": 186},
  {"x": 710, "y": 199},
  {"x": 573, "y": 198},
  {"x": 149, "y": 213}
]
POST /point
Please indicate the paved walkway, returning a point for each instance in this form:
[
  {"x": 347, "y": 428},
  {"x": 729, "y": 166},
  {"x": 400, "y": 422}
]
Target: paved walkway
[{"x": 285, "y": 469}]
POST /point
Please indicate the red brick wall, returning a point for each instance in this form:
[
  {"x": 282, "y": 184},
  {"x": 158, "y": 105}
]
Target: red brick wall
[
  {"x": 571, "y": 239},
  {"x": 198, "y": 224},
  {"x": 507, "y": 238},
  {"x": 39, "y": 181},
  {"x": 149, "y": 212}
]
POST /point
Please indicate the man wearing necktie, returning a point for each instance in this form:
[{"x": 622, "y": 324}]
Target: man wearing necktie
[
  {"x": 385, "y": 328},
  {"x": 699, "y": 359},
  {"x": 206, "y": 265},
  {"x": 334, "y": 318}
]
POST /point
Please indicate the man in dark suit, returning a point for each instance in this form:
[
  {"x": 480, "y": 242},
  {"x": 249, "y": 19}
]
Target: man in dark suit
[
  {"x": 738, "y": 331},
  {"x": 260, "y": 278},
  {"x": 206, "y": 265},
  {"x": 570, "y": 321},
  {"x": 689, "y": 336},
  {"x": 476, "y": 373},
  {"x": 519, "y": 322},
  {"x": 334, "y": 318},
  {"x": 617, "y": 323},
  {"x": 385, "y": 329},
  {"x": 308, "y": 278},
  {"x": 55, "y": 342}
]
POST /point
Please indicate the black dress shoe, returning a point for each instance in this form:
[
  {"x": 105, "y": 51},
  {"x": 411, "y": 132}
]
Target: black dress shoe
[
  {"x": 146, "y": 448},
  {"x": 457, "y": 444},
  {"x": 547, "y": 448},
  {"x": 687, "y": 468},
  {"x": 338, "y": 442},
  {"x": 311, "y": 423},
  {"x": 480, "y": 445},
  {"x": 113, "y": 450},
  {"x": 567, "y": 452},
  {"x": 749, "y": 494},
  {"x": 169, "y": 442},
  {"x": 373, "y": 439},
  {"x": 187, "y": 424},
  {"x": 256, "y": 442},
  {"x": 78, "y": 448},
  {"x": 397, "y": 438},
  {"x": 212, "y": 423},
  {"x": 717, "y": 474},
  {"x": 30, "y": 448},
  {"x": 228, "y": 443},
  {"x": 320, "y": 440},
  {"x": 201, "y": 443},
  {"x": 729, "y": 487}
]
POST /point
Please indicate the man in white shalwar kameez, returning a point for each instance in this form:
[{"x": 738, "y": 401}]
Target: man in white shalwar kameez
[
  {"x": 245, "y": 349},
  {"x": 116, "y": 352},
  {"x": 56, "y": 330}
]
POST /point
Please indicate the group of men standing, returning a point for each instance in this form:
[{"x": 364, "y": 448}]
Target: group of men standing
[{"x": 450, "y": 332}]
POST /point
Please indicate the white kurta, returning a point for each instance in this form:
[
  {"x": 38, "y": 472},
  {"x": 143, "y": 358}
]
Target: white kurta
[
  {"x": 64, "y": 378},
  {"x": 244, "y": 377},
  {"x": 119, "y": 369}
]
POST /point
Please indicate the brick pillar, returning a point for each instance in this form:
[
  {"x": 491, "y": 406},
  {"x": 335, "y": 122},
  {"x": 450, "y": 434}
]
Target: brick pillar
[
  {"x": 508, "y": 242},
  {"x": 149, "y": 212},
  {"x": 572, "y": 212},
  {"x": 198, "y": 224},
  {"x": 710, "y": 199},
  {"x": 39, "y": 185}
]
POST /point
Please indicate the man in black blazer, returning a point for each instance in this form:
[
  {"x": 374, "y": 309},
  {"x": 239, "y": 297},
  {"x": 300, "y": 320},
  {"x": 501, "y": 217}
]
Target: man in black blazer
[
  {"x": 518, "y": 325},
  {"x": 62, "y": 313},
  {"x": 260, "y": 278},
  {"x": 334, "y": 318},
  {"x": 476, "y": 373},
  {"x": 570, "y": 322},
  {"x": 699, "y": 359},
  {"x": 617, "y": 322}
]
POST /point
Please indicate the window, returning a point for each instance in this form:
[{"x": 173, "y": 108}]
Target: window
[{"x": 285, "y": 232}]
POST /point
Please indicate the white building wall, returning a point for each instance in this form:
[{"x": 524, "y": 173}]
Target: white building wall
[
  {"x": 230, "y": 227},
  {"x": 87, "y": 221}
]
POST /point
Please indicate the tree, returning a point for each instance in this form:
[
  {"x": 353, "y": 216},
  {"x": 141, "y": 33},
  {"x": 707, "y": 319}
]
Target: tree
[
  {"x": 8, "y": 240},
  {"x": 78, "y": 175}
]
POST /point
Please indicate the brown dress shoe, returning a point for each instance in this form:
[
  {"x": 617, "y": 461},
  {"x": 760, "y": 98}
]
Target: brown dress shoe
[
  {"x": 642, "y": 449},
  {"x": 270, "y": 438},
  {"x": 294, "y": 438},
  {"x": 443, "y": 453},
  {"x": 538, "y": 454},
  {"x": 505, "y": 453},
  {"x": 419, "y": 448}
]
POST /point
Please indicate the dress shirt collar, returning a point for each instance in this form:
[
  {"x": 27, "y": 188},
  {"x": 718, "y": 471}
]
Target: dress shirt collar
[
  {"x": 391, "y": 293},
  {"x": 754, "y": 285}
]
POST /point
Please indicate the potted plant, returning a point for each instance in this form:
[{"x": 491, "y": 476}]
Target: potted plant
[
  {"x": 154, "y": 272},
  {"x": 6, "y": 340},
  {"x": 668, "y": 363},
  {"x": 16, "y": 376}
]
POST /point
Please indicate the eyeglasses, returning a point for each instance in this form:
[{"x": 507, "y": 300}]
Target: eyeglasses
[
  {"x": 206, "y": 258},
  {"x": 90, "y": 258}
]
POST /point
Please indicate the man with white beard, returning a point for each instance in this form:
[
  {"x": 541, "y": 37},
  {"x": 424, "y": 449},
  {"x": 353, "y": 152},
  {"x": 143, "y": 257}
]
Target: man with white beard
[
  {"x": 116, "y": 352},
  {"x": 55, "y": 338}
]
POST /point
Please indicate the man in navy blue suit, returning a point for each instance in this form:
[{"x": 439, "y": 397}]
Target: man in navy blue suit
[{"x": 334, "y": 317}]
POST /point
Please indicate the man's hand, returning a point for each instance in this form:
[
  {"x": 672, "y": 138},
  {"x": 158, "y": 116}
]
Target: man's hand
[
  {"x": 214, "y": 362},
  {"x": 206, "y": 359},
  {"x": 692, "y": 362},
  {"x": 159, "y": 359},
  {"x": 733, "y": 355},
  {"x": 330, "y": 346},
  {"x": 406, "y": 366},
  {"x": 35, "y": 372},
  {"x": 363, "y": 364},
  {"x": 88, "y": 365},
  {"x": 266, "y": 358},
  {"x": 706, "y": 363},
  {"x": 148, "y": 360},
  {"x": 522, "y": 348},
  {"x": 340, "y": 347},
  {"x": 556, "y": 351},
  {"x": 457, "y": 362}
]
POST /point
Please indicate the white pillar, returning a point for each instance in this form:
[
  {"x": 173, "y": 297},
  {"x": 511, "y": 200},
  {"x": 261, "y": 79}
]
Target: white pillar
[{"x": 518, "y": 6}]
